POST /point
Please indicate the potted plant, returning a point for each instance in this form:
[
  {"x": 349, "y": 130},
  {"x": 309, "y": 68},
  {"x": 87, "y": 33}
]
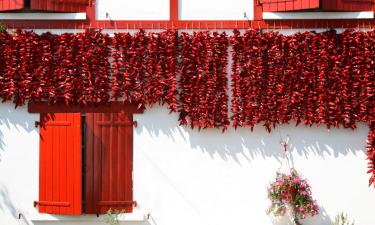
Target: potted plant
[{"x": 291, "y": 191}]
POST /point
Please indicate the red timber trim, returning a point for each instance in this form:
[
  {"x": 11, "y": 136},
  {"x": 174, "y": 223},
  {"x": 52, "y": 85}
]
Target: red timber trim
[
  {"x": 202, "y": 24},
  {"x": 62, "y": 108},
  {"x": 91, "y": 22},
  {"x": 258, "y": 10},
  {"x": 173, "y": 10},
  {"x": 60, "y": 173},
  {"x": 109, "y": 162}
]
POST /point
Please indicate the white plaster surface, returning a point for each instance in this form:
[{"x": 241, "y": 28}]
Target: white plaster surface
[
  {"x": 132, "y": 10},
  {"x": 215, "y": 9}
]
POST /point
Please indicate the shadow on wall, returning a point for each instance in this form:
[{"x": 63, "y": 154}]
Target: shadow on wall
[
  {"x": 6, "y": 204},
  {"x": 11, "y": 118},
  {"x": 321, "y": 218},
  {"x": 242, "y": 142}
]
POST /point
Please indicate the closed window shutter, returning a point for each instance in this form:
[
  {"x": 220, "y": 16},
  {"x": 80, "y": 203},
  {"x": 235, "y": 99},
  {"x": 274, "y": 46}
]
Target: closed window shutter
[
  {"x": 289, "y": 5},
  {"x": 325, "y": 5},
  {"x": 109, "y": 156},
  {"x": 60, "y": 5},
  {"x": 348, "y": 5},
  {"x": 7, "y": 5},
  {"x": 60, "y": 182}
]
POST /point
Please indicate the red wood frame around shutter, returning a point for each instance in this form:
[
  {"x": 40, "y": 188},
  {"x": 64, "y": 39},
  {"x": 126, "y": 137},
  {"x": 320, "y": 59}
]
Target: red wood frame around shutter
[
  {"x": 60, "y": 5},
  {"x": 7, "y": 5},
  {"x": 60, "y": 172},
  {"x": 109, "y": 162},
  {"x": 112, "y": 107}
]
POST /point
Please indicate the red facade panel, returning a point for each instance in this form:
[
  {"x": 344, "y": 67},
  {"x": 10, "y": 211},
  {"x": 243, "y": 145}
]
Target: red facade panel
[
  {"x": 60, "y": 185},
  {"x": 348, "y": 5},
  {"x": 327, "y": 5},
  {"x": 289, "y": 5},
  {"x": 7, "y": 5},
  {"x": 60, "y": 5},
  {"x": 109, "y": 156}
]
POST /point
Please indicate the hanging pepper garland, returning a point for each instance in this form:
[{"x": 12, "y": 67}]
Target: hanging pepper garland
[
  {"x": 203, "y": 83},
  {"x": 145, "y": 68},
  {"x": 308, "y": 78},
  {"x": 161, "y": 85}
]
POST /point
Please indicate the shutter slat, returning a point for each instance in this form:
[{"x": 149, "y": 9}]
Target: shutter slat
[
  {"x": 328, "y": 5},
  {"x": 60, "y": 5},
  {"x": 289, "y": 5},
  {"x": 348, "y": 5},
  {"x": 8, "y": 5},
  {"x": 60, "y": 164},
  {"x": 109, "y": 156}
]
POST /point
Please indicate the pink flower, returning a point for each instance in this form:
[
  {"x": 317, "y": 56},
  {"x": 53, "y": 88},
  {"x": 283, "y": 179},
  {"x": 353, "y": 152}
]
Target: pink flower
[{"x": 296, "y": 180}]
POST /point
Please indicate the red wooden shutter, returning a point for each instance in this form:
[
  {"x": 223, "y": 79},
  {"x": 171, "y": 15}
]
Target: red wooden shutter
[
  {"x": 109, "y": 162},
  {"x": 7, "y": 5},
  {"x": 348, "y": 5},
  {"x": 60, "y": 5},
  {"x": 60, "y": 182},
  {"x": 289, "y": 5}
]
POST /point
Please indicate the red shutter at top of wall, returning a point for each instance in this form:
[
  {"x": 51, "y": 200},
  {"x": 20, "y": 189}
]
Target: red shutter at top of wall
[
  {"x": 60, "y": 5},
  {"x": 289, "y": 5},
  {"x": 7, "y": 5},
  {"x": 348, "y": 5},
  {"x": 327, "y": 5},
  {"x": 109, "y": 162},
  {"x": 60, "y": 182}
]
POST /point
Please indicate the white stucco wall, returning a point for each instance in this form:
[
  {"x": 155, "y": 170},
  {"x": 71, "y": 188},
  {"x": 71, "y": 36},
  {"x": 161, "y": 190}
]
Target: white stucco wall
[
  {"x": 132, "y": 10},
  {"x": 185, "y": 177},
  {"x": 159, "y": 10},
  {"x": 215, "y": 9}
]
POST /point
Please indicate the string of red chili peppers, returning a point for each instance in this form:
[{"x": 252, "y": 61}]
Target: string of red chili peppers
[
  {"x": 203, "y": 83},
  {"x": 308, "y": 78},
  {"x": 145, "y": 68}
]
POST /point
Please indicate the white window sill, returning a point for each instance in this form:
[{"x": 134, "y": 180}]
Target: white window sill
[
  {"x": 128, "y": 217},
  {"x": 42, "y": 16},
  {"x": 317, "y": 15}
]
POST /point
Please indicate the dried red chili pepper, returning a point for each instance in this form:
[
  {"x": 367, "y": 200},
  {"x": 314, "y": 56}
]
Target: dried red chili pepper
[{"x": 371, "y": 153}]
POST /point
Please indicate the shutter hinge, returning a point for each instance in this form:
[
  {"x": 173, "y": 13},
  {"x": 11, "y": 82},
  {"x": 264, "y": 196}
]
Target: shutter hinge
[
  {"x": 91, "y": 3},
  {"x": 135, "y": 123},
  {"x": 37, "y": 124}
]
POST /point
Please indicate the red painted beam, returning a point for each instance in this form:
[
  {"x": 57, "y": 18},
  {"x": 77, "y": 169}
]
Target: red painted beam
[
  {"x": 196, "y": 24},
  {"x": 173, "y": 10},
  {"x": 62, "y": 108}
]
